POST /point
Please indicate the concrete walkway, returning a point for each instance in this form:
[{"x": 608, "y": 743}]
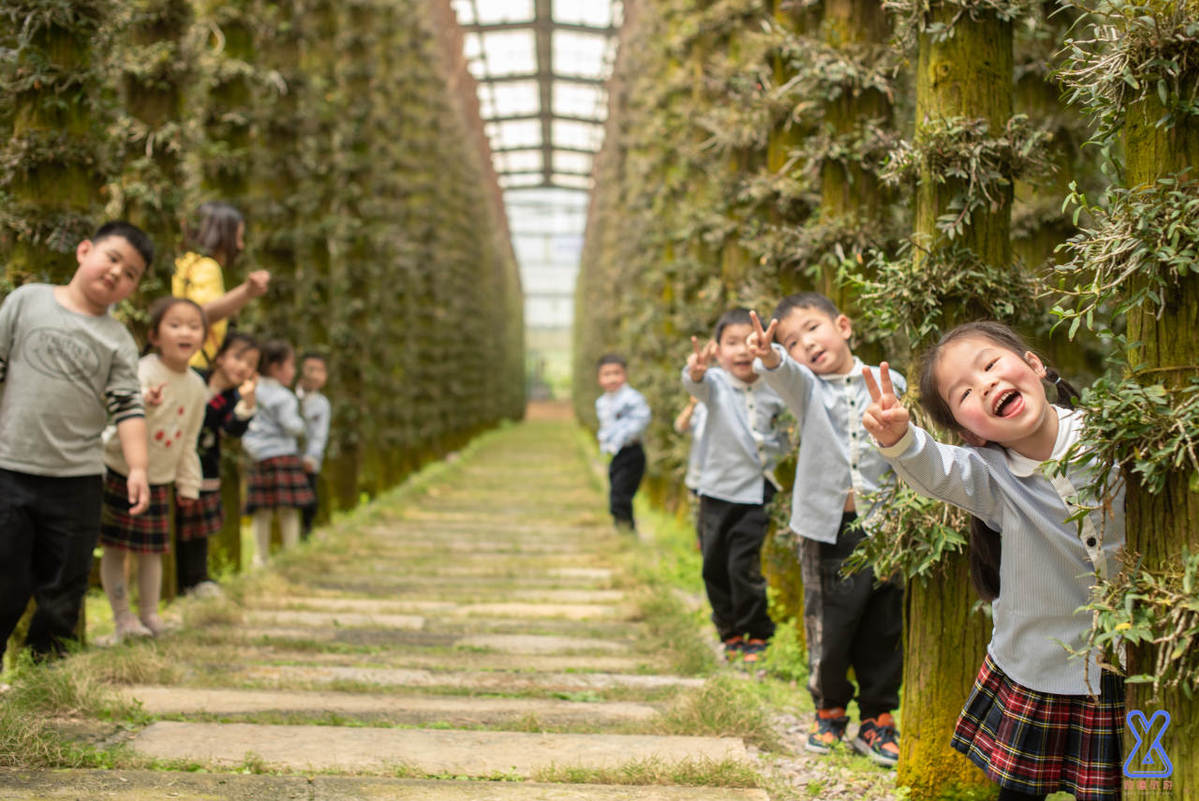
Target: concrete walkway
[{"x": 474, "y": 637}]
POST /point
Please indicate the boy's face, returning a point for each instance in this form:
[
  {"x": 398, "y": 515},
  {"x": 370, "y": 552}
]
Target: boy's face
[
  {"x": 816, "y": 340},
  {"x": 109, "y": 270},
  {"x": 733, "y": 354},
  {"x": 313, "y": 374},
  {"x": 611, "y": 377}
]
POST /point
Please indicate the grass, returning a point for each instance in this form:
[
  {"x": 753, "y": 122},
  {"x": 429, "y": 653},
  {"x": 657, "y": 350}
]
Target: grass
[
  {"x": 688, "y": 772},
  {"x": 724, "y": 707}
]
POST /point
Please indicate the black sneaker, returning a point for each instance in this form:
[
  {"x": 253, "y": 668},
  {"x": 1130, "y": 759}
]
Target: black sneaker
[
  {"x": 733, "y": 647},
  {"x": 752, "y": 650},
  {"x": 878, "y": 739},
  {"x": 828, "y": 732}
]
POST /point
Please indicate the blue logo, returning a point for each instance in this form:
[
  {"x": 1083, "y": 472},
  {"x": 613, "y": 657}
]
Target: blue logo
[{"x": 1148, "y": 759}]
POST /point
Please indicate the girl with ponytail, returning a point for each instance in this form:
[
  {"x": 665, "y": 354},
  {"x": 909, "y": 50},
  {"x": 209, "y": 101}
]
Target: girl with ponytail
[{"x": 1037, "y": 720}]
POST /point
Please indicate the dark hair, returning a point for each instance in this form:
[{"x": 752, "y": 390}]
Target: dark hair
[
  {"x": 313, "y": 354},
  {"x": 160, "y": 307},
  {"x": 234, "y": 338},
  {"x": 611, "y": 358},
  {"x": 986, "y": 547},
  {"x": 213, "y": 231},
  {"x": 131, "y": 234},
  {"x": 738, "y": 316},
  {"x": 274, "y": 351},
  {"x": 805, "y": 300}
]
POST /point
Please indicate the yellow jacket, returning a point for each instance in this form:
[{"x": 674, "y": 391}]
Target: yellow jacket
[{"x": 199, "y": 278}]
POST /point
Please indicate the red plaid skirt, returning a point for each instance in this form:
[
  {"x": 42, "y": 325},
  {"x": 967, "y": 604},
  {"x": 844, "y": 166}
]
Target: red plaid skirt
[
  {"x": 148, "y": 532},
  {"x": 200, "y": 519},
  {"x": 1039, "y": 743},
  {"x": 276, "y": 483}
]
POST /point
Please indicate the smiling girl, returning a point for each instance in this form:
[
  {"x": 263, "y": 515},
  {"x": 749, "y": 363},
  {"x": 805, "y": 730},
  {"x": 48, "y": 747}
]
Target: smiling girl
[
  {"x": 174, "y": 396},
  {"x": 1037, "y": 720}
]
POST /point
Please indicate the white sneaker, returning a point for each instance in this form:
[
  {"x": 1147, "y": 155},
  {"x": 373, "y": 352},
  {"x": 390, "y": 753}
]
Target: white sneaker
[{"x": 207, "y": 589}]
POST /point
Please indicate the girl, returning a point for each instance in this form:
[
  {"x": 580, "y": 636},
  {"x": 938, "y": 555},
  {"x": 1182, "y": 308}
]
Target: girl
[
  {"x": 231, "y": 389},
  {"x": 213, "y": 240},
  {"x": 277, "y": 481},
  {"x": 175, "y": 398},
  {"x": 1036, "y": 721}
]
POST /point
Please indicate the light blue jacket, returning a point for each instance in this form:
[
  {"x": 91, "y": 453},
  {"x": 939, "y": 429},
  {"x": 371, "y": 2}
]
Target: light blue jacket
[
  {"x": 742, "y": 439},
  {"x": 1048, "y": 565},
  {"x": 277, "y": 423},
  {"x": 623, "y": 417}
]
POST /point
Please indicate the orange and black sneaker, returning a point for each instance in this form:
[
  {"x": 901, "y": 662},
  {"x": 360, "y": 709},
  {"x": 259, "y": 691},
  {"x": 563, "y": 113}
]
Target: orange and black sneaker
[
  {"x": 878, "y": 739},
  {"x": 733, "y": 646},
  {"x": 752, "y": 651},
  {"x": 828, "y": 731}
]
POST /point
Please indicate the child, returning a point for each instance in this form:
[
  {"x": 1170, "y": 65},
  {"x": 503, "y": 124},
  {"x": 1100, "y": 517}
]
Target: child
[
  {"x": 742, "y": 445},
  {"x": 691, "y": 421},
  {"x": 175, "y": 398},
  {"x": 851, "y": 622},
  {"x": 277, "y": 482},
  {"x": 314, "y": 406},
  {"x": 231, "y": 390},
  {"x": 623, "y": 417},
  {"x": 66, "y": 367},
  {"x": 213, "y": 242},
  {"x": 1033, "y": 721}
]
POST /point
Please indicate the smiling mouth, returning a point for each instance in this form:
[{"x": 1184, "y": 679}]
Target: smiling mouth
[{"x": 1005, "y": 402}]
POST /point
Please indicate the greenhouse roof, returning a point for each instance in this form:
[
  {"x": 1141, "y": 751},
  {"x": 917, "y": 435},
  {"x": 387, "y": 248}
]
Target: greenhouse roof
[{"x": 541, "y": 66}]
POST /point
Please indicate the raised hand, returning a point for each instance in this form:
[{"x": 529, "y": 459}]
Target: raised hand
[
  {"x": 885, "y": 419},
  {"x": 257, "y": 283},
  {"x": 697, "y": 362},
  {"x": 759, "y": 341},
  {"x": 153, "y": 395}
]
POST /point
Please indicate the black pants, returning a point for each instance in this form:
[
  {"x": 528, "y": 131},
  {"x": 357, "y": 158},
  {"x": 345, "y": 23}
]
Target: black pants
[
  {"x": 308, "y": 513},
  {"x": 624, "y": 477},
  {"x": 850, "y": 623},
  {"x": 731, "y": 536},
  {"x": 48, "y": 530},
  {"x": 191, "y": 562}
]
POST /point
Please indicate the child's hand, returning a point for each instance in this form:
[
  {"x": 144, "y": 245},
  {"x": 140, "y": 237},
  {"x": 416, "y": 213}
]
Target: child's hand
[
  {"x": 257, "y": 283},
  {"x": 886, "y": 419},
  {"x": 153, "y": 395},
  {"x": 309, "y": 464},
  {"x": 185, "y": 502},
  {"x": 759, "y": 342},
  {"x": 697, "y": 362},
  {"x": 139, "y": 491},
  {"x": 247, "y": 390}
]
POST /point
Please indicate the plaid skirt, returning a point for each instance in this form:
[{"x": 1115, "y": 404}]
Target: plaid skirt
[
  {"x": 199, "y": 519},
  {"x": 148, "y": 532},
  {"x": 1038, "y": 743},
  {"x": 279, "y": 482}
]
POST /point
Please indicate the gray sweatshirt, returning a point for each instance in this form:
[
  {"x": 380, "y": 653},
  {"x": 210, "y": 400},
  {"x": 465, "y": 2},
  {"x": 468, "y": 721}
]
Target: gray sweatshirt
[{"x": 277, "y": 424}]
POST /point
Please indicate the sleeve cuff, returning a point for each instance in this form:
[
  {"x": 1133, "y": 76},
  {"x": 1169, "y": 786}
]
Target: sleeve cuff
[
  {"x": 901, "y": 446},
  {"x": 760, "y": 366},
  {"x": 242, "y": 412}
]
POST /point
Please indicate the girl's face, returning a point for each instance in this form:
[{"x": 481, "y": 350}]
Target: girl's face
[
  {"x": 996, "y": 395},
  {"x": 285, "y": 371},
  {"x": 237, "y": 364},
  {"x": 179, "y": 335}
]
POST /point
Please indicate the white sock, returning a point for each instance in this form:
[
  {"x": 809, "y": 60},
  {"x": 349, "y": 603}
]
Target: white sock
[
  {"x": 149, "y": 586},
  {"x": 289, "y": 524},
  {"x": 112, "y": 578},
  {"x": 262, "y": 535}
]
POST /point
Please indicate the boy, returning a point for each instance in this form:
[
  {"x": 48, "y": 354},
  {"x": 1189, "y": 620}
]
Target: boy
[
  {"x": 66, "y": 367},
  {"x": 314, "y": 406},
  {"x": 848, "y": 622},
  {"x": 742, "y": 445},
  {"x": 623, "y": 417}
]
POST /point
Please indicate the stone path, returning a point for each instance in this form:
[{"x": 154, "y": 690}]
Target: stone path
[{"x": 473, "y": 638}]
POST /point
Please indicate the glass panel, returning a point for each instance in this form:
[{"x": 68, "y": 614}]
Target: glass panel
[
  {"x": 464, "y": 11},
  {"x": 492, "y": 12},
  {"x": 514, "y": 133},
  {"x": 517, "y": 160},
  {"x": 514, "y": 98},
  {"x": 582, "y": 12},
  {"x": 510, "y": 52},
  {"x": 581, "y": 54},
  {"x": 580, "y": 181},
  {"x": 577, "y": 135},
  {"x": 519, "y": 180},
  {"x": 572, "y": 162},
  {"x": 579, "y": 100}
]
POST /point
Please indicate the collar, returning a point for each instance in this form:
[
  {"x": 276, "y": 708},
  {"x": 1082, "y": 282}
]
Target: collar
[
  {"x": 856, "y": 370},
  {"x": 737, "y": 383},
  {"x": 1069, "y": 428}
]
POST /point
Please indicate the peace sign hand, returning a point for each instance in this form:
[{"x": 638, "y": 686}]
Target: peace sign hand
[
  {"x": 759, "y": 342},
  {"x": 152, "y": 395},
  {"x": 697, "y": 362},
  {"x": 886, "y": 419}
]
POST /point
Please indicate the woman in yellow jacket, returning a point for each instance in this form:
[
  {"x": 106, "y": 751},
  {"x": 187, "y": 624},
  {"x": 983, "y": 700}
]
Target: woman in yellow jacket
[{"x": 213, "y": 242}]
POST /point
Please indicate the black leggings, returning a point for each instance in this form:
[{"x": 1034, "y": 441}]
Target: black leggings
[{"x": 1015, "y": 795}]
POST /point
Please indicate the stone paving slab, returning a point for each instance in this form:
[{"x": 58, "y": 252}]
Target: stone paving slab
[
  {"x": 367, "y": 606},
  {"x": 288, "y": 617},
  {"x": 145, "y": 785},
  {"x": 473, "y": 660},
  {"x": 493, "y": 680},
  {"x": 438, "y": 586},
  {"x": 461, "y": 711},
  {"x": 540, "y": 644},
  {"x": 465, "y": 753}
]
